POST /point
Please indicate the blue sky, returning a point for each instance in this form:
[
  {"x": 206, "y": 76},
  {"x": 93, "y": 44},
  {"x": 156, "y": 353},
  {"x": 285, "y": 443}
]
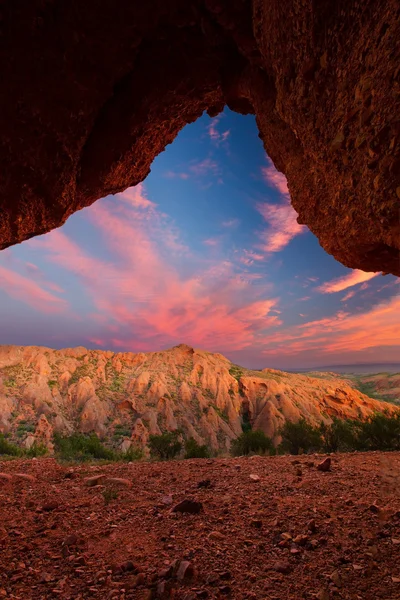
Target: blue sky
[{"x": 207, "y": 251}]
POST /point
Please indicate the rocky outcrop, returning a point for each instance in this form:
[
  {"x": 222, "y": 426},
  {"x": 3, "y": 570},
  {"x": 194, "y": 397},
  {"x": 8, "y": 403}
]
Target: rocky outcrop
[
  {"x": 94, "y": 94},
  {"x": 134, "y": 396}
]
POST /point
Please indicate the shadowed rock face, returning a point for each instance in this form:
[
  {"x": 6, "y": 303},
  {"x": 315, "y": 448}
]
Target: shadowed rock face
[{"x": 92, "y": 94}]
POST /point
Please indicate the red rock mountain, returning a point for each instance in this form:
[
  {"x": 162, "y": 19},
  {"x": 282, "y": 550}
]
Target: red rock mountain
[{"x": 125, "y": 397}]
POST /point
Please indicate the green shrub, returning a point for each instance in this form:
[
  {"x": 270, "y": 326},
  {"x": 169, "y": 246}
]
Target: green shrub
[
  {"x": 36, "y": 450},
  {"x": 338, "y": 435},
  {"x": 132, "y": 454},
  {"x": 165, "y": 446},
  {"x": 381, "y": 431},
  {"x": 7, "y": 448},
  {"x": 195, "y": 450},
  {"x": 251, "y": 442},
  {"x": 79, "y": 447},
  {"x": 299, "y": 437}
]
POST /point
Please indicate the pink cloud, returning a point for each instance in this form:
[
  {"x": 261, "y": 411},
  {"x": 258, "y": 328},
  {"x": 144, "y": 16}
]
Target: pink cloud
[
  {"x": 204, "y": 167},
  {"x": 281, "y": 218},
  {"x": 342, "y": 283},
  {"x": 136, "y": 196},
  {"x": 214, "y": 134},
  {"x": 348, "y": 296},
  {"x": 282, "y": 226},
  {"x": 341, "y": 333},
  {"x": 142, "y": 299},
  {"x": 28, "y": 291}
]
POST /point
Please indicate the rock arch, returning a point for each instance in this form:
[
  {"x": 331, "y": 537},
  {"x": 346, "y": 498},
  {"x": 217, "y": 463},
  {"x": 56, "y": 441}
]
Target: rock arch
[{"x": 93, "y": 91}]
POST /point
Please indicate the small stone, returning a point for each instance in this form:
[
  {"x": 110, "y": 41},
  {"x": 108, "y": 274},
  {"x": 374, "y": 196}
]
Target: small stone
[
  {"x": 216, "y": 535},
  {"x": 188, "y": 506},
  {"x": 398, "y": 192},
  {"x": 311, "y": 526},
  {"x": 335, "y": 577},
  {"x": 204, "y": 483},
  {"x": 256, "y": 523},
  {"x": 301, "y": 540},
  {"x": 294, "y": 550},
  {"x": 396, "y": 579},
  {"x": 70, "y": 540},
  {"x": 185, "y": 570},
  {"x": 338, "y": 141},
  {"x": 225, "y": 589},
  {"x": 395, "y": 541},
  {"x": 25, "y": 477},
  {"x": 254, "y": 477},
  {"x": 325, "y": 465},
  {"x": 167, "y": 500},
  {"x": 50, "y": 506},
  {"x": 94, "y": 480},
  {"x": 140, "y": 580},
  {"x": 282, "y": 567},
  {"x": 119, "y": 482}
]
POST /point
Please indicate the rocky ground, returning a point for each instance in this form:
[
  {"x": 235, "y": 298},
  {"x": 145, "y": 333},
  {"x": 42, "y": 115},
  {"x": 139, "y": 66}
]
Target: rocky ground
[{"x": 271, "y": 528}]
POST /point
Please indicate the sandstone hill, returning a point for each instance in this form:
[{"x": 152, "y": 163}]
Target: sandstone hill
[{"x": 125, "y": 397}]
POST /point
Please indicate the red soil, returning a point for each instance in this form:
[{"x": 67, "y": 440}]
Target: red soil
[{"x": 295, "y": 532}]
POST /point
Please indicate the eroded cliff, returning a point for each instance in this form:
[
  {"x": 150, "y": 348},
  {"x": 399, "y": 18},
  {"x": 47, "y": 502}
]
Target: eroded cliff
[{"x": 125, "y": 397}]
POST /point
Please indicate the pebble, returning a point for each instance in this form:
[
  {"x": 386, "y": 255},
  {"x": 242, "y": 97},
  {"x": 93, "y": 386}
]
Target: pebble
[
  {"x": 325, "y": 465},
  {"x": 188, "y": 506},
  {"x": 254, "y": 477}
]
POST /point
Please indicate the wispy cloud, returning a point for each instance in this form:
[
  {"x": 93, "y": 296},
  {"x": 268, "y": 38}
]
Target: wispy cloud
[
  {"x": 342, "y": 283},
  {"x": 28, "y": 291},
  {"x": 216, "y": 136},
  {"x": 230, "y": 223},
  {"x": 341, "y": 333},
  {"x": 281, "y": 218},
  {"x": 140, "y": 296}
]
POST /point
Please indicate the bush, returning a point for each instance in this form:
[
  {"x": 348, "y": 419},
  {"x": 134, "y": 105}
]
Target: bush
[
  {"x": 36, "y": 450},
  {"x": 165, "y": 446},
  {"x": 195, "y": 450},
  {"x": 380, "y": 432},
  {"x": 251, "y": 442},
  {"x": 81, "y": 448},
  {"x": 299, "y": 437},
  {"x": 338, "y": 436},
  {"x": 132, "y": 454},
  {"x": 7, "y": 448}
]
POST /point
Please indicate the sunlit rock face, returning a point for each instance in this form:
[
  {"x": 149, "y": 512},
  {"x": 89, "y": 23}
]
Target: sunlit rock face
[
  {"x": 94, "y": 94},
  {"x": 134, "y": 396}
]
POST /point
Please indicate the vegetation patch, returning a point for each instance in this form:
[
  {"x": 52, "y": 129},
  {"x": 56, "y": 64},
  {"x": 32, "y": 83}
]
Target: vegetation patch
[{"x": 252, "y": 442}]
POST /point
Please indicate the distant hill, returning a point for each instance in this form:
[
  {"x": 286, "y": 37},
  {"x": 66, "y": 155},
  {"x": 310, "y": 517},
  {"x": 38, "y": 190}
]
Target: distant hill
[{"x": 125, "y": 397}]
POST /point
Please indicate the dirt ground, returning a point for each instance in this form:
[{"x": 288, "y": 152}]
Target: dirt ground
[{"x": 272, "y": 528}]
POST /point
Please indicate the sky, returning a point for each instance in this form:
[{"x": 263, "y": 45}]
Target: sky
[{"x": 206, "y": 251}]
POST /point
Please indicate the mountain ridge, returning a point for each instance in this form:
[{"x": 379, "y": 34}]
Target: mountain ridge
[{"x": 125, "y": 397}]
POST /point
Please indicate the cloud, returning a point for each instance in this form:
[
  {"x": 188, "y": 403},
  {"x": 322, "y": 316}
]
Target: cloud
[
  {"x": 216, "y": 137},
  {"x": 249, "y": 257},
  {"x": 342, "y": 283},
  {"x": 174, "y": 174},
  {"x": 341, "y": 333},
  {"x": 281, "y": 218},
  {"x": 136, "y": 197},
  {"x": 31, "y": 293},
  {"x": 143, "y": 300},
  {"x": 348, "y": 296},
  {"x": 207, "y": 166},
  {"x": 230, "y": 223}
]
